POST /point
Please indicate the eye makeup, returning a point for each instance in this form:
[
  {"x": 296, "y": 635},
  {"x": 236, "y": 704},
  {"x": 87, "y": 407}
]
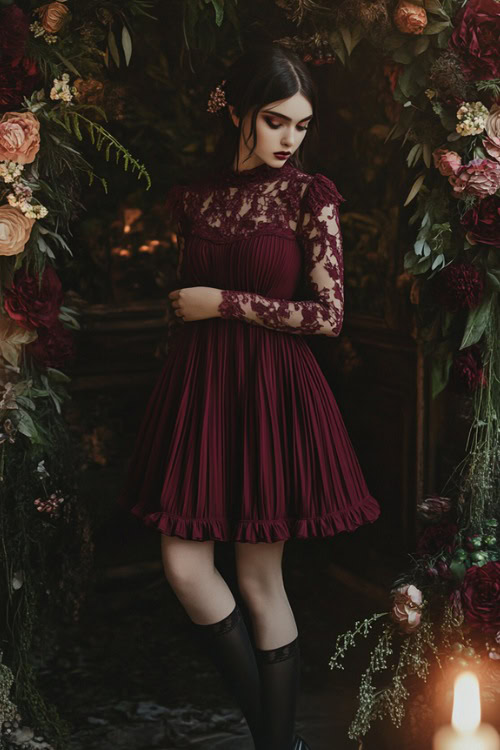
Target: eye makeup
[{"x": 275, "y": 125}]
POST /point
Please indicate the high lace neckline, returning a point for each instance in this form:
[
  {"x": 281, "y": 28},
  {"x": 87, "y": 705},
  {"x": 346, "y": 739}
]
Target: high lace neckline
[{"x": 261, "y": 172}]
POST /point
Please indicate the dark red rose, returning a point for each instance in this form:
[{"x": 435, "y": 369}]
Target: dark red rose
[
  {"x": 53, "y": 347},
  {"x": 480, "y": 594},
  {"x": 30, "y": 306},
  {"x": 16, "y": 82},
  {"x": 467, "y": 370},
  {"x": 460, "y": 286},
  {"x": 14, "y": 28},
  {"x": 475, "y": 39},
  {"x": 436, "y": 538},
  {"x": 482, "y": 222}
]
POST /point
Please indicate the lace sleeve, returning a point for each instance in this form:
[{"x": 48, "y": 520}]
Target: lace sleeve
[{"x": 319, "y": 235}]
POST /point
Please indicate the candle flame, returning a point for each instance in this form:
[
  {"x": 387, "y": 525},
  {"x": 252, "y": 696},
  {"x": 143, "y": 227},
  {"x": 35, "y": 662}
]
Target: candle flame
[{"x": 466, "y": 714}]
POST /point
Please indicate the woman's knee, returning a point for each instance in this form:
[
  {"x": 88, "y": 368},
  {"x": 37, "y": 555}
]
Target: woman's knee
[
  {"x": 185, "y": 560},
  {"x": 259, "y": 572}
]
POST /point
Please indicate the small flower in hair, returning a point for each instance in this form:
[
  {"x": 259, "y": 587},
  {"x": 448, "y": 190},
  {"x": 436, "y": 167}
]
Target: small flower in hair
[{"x": 217, "y": 98}]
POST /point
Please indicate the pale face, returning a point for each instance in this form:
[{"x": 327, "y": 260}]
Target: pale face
[{"x": 280, "y": 127}]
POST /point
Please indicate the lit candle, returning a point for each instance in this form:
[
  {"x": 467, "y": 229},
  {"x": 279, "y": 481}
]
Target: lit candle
[{"x": 466, "y": 732}]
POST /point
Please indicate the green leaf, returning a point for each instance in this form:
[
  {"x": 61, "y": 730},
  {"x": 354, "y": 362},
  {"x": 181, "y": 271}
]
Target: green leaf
[
  {"x": 219, "y": 11},
  {"x": 421, "y": 44},
  {"x": 414, "y": 154},
  {"x": 440, "y": 371},
  {"x": 126, "y": 44},
  {"x": 494, "y": 281},
  {"x": 415, "y": 188},
  {"x": 427, "y": 155},
  {"x": 338, "y": 46},
  {"x": 27, "y": 427},
  {"x": 438, "y": 261},
  {"x": 57, "y": 375},
  {"x": 113, "y": 48},
  {"x": 476, "y": 322},
  {"x": 402, "y": 55},
  {"x": 435, "y": 27}
]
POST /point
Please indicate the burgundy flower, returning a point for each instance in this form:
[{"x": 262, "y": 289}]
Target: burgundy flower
[
  {"x": 460, "y": 286},
  {"x": 436, "y": 538},
  {"x": 475, "y": 39},
  {"x": 16, "y": 82},
  {"x": 53, "y": 347},
  {"x": 14, "y": 28},
  {"x": 30, "y": 306},
  {"x": 467, "y": 370},
  {"x": 482, "y": 222},
  {"x": 480, "y": 594}
]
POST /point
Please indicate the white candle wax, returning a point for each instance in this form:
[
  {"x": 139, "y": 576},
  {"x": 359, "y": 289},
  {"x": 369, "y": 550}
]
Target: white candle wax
[
  {"x": 466, "y": 732},
  {"x": 485, "y": 737}
]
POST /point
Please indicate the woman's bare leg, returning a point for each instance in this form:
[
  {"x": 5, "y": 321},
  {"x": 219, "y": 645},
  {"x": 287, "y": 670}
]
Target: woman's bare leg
[
  {"x": 217, "y": 622},
  {"x": 260, "y": 580},
  {"x": 277, "y": 651}
]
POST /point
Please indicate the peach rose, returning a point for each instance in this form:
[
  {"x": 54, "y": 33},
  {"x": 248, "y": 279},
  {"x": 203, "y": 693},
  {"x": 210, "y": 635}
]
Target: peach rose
[
  {"x": 406, "y": 611},
  {"x": 52, "y": 16},
  {"x": 19, "y": 137},
  {"x": 492, "y": 128},
  {"x": 446, "y": 161},
  {"x": 410, "y": 18},
  {"x": 15, "y": 229}
]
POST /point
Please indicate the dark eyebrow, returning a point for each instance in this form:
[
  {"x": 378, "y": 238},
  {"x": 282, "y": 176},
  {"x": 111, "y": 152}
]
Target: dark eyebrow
[{"x": 288, "y": 119}]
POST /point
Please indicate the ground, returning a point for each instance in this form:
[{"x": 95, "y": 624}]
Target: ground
[{"x": 130, "y": 675}]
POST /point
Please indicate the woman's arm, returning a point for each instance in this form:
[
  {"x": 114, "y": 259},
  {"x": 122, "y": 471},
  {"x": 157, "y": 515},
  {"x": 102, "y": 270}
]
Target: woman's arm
[{"x": 319, "y": 235}]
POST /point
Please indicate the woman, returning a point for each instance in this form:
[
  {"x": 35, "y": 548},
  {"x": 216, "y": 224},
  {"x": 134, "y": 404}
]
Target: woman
[{"x": 242, "y": 440}]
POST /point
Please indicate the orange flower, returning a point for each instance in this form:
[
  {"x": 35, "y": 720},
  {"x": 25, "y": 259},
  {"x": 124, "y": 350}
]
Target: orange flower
[
  {"x": 19, "y": 137},
  {"x": 52, "y": 16},
  {"x": 15, "y": 229},
  {"x": 410, "y": 18}
]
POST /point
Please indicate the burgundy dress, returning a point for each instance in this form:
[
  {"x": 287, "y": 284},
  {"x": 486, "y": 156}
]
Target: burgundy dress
[{"x": 242, "y": 439}]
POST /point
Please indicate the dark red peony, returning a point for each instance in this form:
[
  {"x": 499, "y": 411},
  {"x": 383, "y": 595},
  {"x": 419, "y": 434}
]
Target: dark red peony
[
  {"x": 482, "y": 222},
  {"x": 467, "y": 370},
  {"x": 53, "y": 347},
  {"x": 460, "y": 286},
  {"x": 16, "y": 82},
  {"x": 30, "y": 306},
  {"x": 14, "y": 29},
  {"x": 480, "y": 594},
  {"x": 436, "y": 538},
  {"x": 475, "y": 39}
]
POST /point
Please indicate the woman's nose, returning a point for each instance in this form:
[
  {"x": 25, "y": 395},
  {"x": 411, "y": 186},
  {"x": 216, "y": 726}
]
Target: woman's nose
[{"x": 288, "y": 139}]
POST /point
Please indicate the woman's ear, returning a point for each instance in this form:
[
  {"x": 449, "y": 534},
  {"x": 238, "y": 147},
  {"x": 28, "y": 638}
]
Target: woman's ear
[{"x": 234, "y": 118}]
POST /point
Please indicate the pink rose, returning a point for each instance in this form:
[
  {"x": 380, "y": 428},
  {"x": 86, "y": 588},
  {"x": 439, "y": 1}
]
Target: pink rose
[
  {"x": 410, "y": 18},
  {"x": 446, "y": 161},
  {"x": 407, "y": 607},
  {"x": 19, "y": 137},
  {"x": 492, "y": 128},
  {"x": 479, "y": 177},
  {"x": 15, "y": 229}
]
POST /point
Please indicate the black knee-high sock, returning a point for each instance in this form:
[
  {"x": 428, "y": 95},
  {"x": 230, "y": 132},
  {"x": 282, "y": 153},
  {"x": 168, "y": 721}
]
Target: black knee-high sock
[
  {"x": 279, "y": 680},
  {"x": 229, "y": 646}
]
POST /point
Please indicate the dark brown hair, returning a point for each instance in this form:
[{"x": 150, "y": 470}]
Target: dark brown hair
[{"x": 265, "y": 73}]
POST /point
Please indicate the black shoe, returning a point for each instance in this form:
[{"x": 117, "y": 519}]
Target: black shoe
[{"x": 300, "y": 744}]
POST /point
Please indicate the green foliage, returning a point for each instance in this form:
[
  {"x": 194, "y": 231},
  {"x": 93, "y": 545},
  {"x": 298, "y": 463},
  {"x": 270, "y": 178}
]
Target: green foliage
[{"x": 70, "y": 120}]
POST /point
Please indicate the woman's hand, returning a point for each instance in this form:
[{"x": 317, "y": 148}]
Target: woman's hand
[{"x": 196, "y": 303}]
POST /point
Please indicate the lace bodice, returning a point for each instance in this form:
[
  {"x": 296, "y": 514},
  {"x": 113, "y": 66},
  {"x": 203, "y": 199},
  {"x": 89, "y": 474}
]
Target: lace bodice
[{"x": 283, "y": 201}]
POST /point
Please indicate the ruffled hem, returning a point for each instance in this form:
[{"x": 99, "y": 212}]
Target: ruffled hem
[{"x": 222, "y": 530}]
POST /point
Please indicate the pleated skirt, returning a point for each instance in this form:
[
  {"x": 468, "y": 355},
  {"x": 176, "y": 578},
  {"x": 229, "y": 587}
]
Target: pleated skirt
[{"x": 242, "y": 440}]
